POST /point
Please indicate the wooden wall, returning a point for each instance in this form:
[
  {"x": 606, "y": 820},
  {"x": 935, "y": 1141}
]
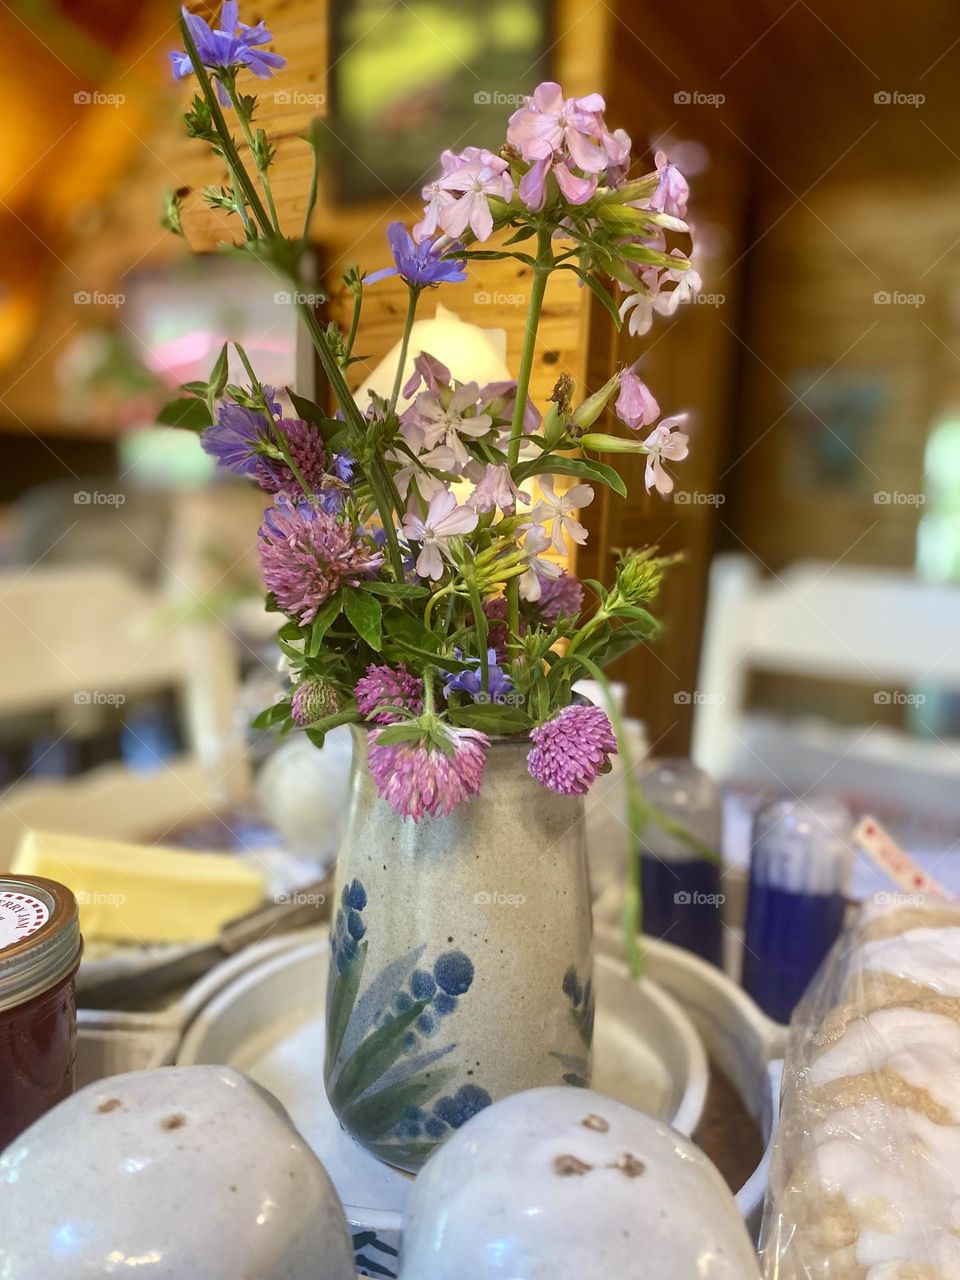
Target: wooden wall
[{"x": 111, "y": 199}]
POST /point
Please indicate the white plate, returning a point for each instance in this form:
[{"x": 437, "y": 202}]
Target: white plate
[{"x": 270, "y": 1023}]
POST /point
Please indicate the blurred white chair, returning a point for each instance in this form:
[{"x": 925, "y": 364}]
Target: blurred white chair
[
  {"x": 73, "y": 637},
  {"x": 886, "y": 630}
]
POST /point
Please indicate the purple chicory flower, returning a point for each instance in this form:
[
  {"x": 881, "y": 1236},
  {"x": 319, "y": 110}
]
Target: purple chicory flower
[
  {"x": 419, "y": 264},
  {"x": 460, "y": 197},
  {"x": 342, "y": 466},
  {"x": 471, "y": 682},
  {"x": 636, "y": 406},
  {"x": 664, "y": 442},
  {"x": 571, "y": 750},
  {"x": 443, "y": 521},
  {"x": 236, "y": 436},
  {"x": 418, "y": 778},
  {"x": 228, "y": 47},
  {"x": 246, "y": 441},
  {"x": 385, "y": 686},
  {"x": 560, "y": 597},
  {"x": 306, "y": 555}
]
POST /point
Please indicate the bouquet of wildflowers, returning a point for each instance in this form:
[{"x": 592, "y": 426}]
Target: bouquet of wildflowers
[{"x": 413, "y": 543}]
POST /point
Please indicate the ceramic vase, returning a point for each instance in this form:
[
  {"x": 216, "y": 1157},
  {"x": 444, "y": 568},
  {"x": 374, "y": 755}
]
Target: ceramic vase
[{"x": 460, "y": 958}]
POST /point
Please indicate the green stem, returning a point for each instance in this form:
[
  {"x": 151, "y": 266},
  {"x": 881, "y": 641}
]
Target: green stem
[
  {"x": 482, "y": 629},
  {"x": 412, "y": 300},
  {"x": 541, "y": 274},
  {"x": 354, "y": 322},
  {"x": 311, "y": 198},
  {"x": 432, "y": 602},
  {"x": 230, "y": 153},
  {"x": 231, "y": 88},
  {"x": 380, "y": 485}
]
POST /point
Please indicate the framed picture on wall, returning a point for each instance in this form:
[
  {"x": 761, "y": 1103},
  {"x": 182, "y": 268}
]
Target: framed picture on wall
[{"x": 407, "y": 80}]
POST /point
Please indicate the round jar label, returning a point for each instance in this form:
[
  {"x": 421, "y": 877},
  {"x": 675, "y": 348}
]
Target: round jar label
[{"x": 20, "y": 915}]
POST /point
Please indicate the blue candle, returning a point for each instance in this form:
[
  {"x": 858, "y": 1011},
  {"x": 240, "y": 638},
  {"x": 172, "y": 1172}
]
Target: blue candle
[
  {"x": 682, "y": 897},
  {"x": 800, "y": 868}
]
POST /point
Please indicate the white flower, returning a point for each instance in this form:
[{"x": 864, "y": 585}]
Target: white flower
[
  {"x": 640, "y": 307},
  {"x": 444, "y": 520},
  {"x": 560, "y": 509},
  {"x": 529, "y": 584},
  {"x": 663, "y": 443},
  {"x": 419, "y": 472},
  {"x": 688, "y": 285}
]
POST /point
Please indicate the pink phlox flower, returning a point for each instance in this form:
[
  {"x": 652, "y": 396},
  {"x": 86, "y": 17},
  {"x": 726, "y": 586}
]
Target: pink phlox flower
[
  {"x": 460, "y": 197},
  {"x": 672, "y": 192},
  {"x": 550, "y": 123},
  {"x": 444, "y": 418},
  {"x": 500, "y": 400},
  {"x": 429, "y": 372},
  {"x": 636, "y": 405},
  {"x": 496, "y": 489}
]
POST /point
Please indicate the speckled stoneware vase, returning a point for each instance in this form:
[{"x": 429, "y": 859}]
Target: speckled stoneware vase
[{"x": 460, "y": 958}]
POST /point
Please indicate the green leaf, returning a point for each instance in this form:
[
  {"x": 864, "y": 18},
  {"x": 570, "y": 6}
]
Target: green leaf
[
  {"x": 490, "y": 718},
  {"x": 341, "y": 997},
  {"x": 276, "y": 714},
  {"x": 306, "y": 409},
  {"x": 407, "y": 650},
  {"x": 399, "y": 590},
  {"x": 597, "y": 289},
  {"x": 584, "y": 468},
  {"x": 218, "y": 379},
  {"x": 322, "y": 622},
  {"x": 374, "y": 1057},
  {"x": 185, "y": 412},
  {"x": 365, "y": 614},
  {"x": 377, "y": 1113}
]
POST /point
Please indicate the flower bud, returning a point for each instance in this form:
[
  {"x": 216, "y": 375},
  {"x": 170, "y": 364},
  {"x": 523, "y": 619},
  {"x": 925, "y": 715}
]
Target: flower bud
[
  {"x": 586, "y": 413},
  {"x": 640, "y": 573},
  {"x": 313, "y": 700}
]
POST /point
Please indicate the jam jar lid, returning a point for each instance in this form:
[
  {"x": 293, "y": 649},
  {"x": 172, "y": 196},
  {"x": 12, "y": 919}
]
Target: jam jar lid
[{"x": 39, "y": 937}]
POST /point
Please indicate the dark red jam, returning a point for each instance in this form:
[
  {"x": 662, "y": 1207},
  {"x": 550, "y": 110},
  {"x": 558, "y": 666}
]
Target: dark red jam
[{"x": 39, "y": 955}]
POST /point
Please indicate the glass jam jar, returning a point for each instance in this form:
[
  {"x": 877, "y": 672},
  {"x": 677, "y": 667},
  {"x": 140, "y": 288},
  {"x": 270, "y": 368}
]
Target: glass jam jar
[{"x": 39, "y": 955}]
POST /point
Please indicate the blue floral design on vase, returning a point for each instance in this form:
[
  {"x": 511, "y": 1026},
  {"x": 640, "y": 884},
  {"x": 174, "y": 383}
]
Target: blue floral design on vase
[
  {"x": 582, "y": 1009},
  {"x": 382, "y": 1072}
]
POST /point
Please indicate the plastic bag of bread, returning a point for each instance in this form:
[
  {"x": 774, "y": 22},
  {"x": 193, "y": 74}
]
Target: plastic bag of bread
[{"x": 865, "y": 1179}]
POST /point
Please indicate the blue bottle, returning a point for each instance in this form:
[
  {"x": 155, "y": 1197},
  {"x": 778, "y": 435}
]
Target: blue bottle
[
  {"x": 800, "y": 866},
  {"x": 682, "y": 896}
]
